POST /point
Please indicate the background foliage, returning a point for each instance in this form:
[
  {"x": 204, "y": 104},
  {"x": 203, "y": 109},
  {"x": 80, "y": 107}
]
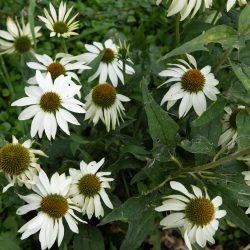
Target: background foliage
[{"x": 144, "y": 150}]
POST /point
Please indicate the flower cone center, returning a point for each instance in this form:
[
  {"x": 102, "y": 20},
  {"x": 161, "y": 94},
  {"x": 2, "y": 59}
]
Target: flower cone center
[
  {"x": 108, "y": 55},
  {"x": 200, "y": 211},
  {"x": 56, "y": 206},
  {"x": 104, "y": 95},
  {"x": 193, "y": 81},
  {"x": 60, "y": 27},
  {"x": 50, "y": 102},
  {"x": 14, "y": 159},
  {"x": 89, "y": 185},
  {"x": 56, "y": 69},
  {"x": 22, "y": 44}
]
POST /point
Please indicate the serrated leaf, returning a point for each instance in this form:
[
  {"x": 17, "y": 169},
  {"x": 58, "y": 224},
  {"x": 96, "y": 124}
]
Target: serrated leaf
[
  {"x": 138, "y": 230},
  {"x": 243, "y": 74},
  {"x": 89, "y": 238},
  {"x": 225, "y": 35},
  {"x": 230, "y": 203},
  {"x": 213, "y": 111},
  {"x": 163, "y": 129},
  {"x": 129, "y": 210},
  {"x": 198, "y": 145}
]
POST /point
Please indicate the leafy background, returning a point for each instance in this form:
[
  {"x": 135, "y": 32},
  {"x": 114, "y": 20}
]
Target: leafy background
[{"x": 144, "y": 151}]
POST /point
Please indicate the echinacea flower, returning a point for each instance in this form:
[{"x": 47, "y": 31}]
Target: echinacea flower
[
  {"x": 18, "y": 38},
  {"x": 51, "y": 199},
  {"x": 186, "y": 7},
  {"x": 229, "y": 135},
  {"x": 48, "y": 104},
  {"x": 88, "y": 186},
  {"x": 230, "y": 3},
  {"x": 103, "y": 102},
  {"x": 195, "y": 214},
  {"x": 19, "y": 163},
  {"x": 110, "y": 66},
  {"x": 58, "y": 23},
  {"x": 63, "y": 64},
  {"x": 191, "y": 85}
]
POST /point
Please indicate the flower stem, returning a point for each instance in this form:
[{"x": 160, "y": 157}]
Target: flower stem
[
  {"x": 6, "y": 77},
  {"x": 64, "y": 46},
  {"x": 177, "y": 30}
]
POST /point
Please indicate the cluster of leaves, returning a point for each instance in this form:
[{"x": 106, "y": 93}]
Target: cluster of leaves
[{"x": 143, "y": 152}]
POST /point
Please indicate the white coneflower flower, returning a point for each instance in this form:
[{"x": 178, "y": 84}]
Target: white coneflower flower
[
  {"x": 103, "y": 102},
  {"x": 229, "y": 135},
  {"x": 18, "y": 38},
  {"x": 247, "y": 179},
  {"x": 64, "y": 64},
  {"x": 110, "y": 66},
  {"x": 186, "y": 7},
  {"x": 52, "y": 201},
  {"x": 192, "y": 85},
  {"x": 19, "y": 163},
  {"x": 196, "y": 215},
  {"x": 230, "y": 3},
  {"x": 48, "y": 104},
  {"x": 88, "y": 186},
  {"x": 58, "y": 23}
]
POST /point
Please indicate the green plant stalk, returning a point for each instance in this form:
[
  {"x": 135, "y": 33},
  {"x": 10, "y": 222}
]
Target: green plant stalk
[
  {"x": 177, "y": 30},
  {"x": 64, "y": 46},
  {"x": 6, "y": 77},
  {"x": 201, "y": 168}
]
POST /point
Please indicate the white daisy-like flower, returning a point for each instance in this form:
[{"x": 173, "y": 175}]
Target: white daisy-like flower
[
  {"x": 103, "y": 102},
  {"x": 18, "y": 38},
  {"x": 231, "y": 3},
  {"x": 63, "y": 64},
  {"x": 58, "y": 23},
  {"x": 229, "y": 128},
  {"x": 88, "y": 186},
  {"x": 195, "y": 214},
  {"x": 191, "y": 85},
  {"x": 247, "y": 179},
  {"x": 19, "y": 163},
  {"x": 186, "y": 7},
  {"x": 51, "y": 199},
  {"x": 48, "y": 104},
  {"x": 110, "y": 66}
]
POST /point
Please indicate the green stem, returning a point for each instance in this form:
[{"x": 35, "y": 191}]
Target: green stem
[
  {"x": 177, "y": 30},
  {"x": 222, "y": 60},
  {"x": 125, "y": 185},
  {"x": 204, "y": 167},
  {"x": 6, "y": 77},
  {"x": 215, "y": 17},
  {"x": 64, "y": 46}
]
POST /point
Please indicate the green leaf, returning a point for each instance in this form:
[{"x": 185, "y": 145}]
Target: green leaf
[
  {"x": 213, "y": 111},
  {"x": 8, "y": 241},
  {"x": 198, "y": 145},
  {"x": 244, "y": 21},
  {"x": 89, "y": 238},
  {"x": 225, "y": 35},
  {"x": 230, "y": 204},
  {"x": 130, "y": 209},
  {"x": 138, "y": 230},
  {"x": 243, "y": 129},
  {"x": 139, "y": 213},
  {"x": 163, "y": 129},
  {"x": 243, "y": 74}
]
